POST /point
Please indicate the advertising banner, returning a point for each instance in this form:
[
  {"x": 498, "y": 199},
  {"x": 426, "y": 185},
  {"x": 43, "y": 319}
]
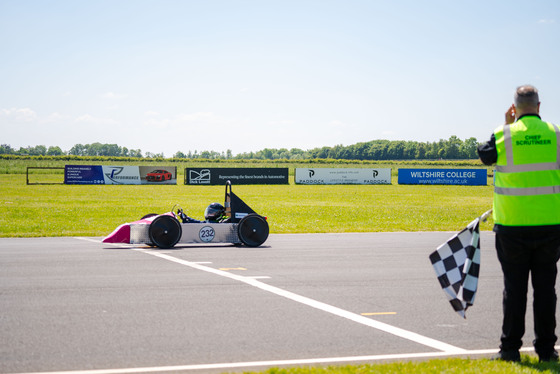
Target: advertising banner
[
  {"x": 219, "y": 176},
  {"x": 342, "y": 176},
  {"x": 466, "y": 177},
  {"x": 102, "y": 174}
]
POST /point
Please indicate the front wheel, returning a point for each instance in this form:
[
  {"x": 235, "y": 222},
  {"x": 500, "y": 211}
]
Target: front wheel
[
  {"x": 253, "y": 230},
  {"x": 165, "y": 232}
]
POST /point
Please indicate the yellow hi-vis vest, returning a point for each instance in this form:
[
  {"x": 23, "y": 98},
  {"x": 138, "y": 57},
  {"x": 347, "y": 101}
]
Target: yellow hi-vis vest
[{"x": 527, "y": 177}]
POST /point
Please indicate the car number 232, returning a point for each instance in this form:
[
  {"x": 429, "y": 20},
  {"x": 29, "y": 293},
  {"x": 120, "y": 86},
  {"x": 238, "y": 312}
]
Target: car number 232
[{"x": 206, "y": 234}]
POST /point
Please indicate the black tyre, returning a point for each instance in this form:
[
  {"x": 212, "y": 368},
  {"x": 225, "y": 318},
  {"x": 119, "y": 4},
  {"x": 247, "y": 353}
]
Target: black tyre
[
  {"x": 165, "y": 232},
  {"x": 253, "y": 230}
]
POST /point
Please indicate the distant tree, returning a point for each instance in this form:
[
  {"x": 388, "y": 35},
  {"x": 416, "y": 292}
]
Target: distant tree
[
  {"x": 154, "y": 155},
  {"x": 135, "y": 153},
  {"x": 6, "y": 149},
  {"x": 420, "y": 151},
  {"x": 452, "y": 148},
  {"x": 410, "y": 150},
  {"x": 468, "y": 148},
  {"x": 54, "y": 151},
  {"x": 267, "y": 154},
  {"x": 396, "y": 150},
  {"x": 38, "y": 150},
  {"x": 378, "y": 150},
  {"x": 77, "y": 150}
]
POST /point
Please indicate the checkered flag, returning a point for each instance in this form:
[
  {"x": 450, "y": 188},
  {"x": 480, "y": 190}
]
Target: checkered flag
[{"x": 457, "y": 264}]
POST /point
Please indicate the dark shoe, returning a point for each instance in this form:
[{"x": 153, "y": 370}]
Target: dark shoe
[
  {"x": 511, "y": 356},
  {"x": 552, "y": 357}
]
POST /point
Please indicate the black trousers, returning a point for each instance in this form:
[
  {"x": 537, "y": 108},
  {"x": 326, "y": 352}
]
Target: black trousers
[{"x": 522, "y": 254}]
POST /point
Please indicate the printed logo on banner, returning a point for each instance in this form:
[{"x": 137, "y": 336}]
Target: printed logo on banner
[
  {"x": 311, "y": 180},
  {"x": 115, "y": 171},
  {"x": 199, "y": 177},
  {"x": 219, "y": 176},
  {"x": 98, "y": 174},
  {"x": 206, "y": 234},
  {"x": 467, "y": 177},
  {"x": 159, "y": 175},
  {"x": 342, "y": 176},
  {"x": 83, "y": 174},
  {"x": 118, "y": 175}
]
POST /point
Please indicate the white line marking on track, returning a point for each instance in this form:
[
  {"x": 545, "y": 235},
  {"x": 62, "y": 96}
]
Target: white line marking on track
[
  {"x": 308, "y": 361},
  {"x": 405, "y": 334},
  {"x": 87, "y": 239},
  {"x": 409, "y": 335},
  {"x": 450, "y": 351}
]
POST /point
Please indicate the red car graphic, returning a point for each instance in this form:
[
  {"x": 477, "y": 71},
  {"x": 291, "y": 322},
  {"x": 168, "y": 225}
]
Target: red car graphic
[{"x": 158, "y": 176}]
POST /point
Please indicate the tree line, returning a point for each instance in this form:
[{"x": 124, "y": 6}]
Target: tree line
[
  {"x": 450, "y": 149},
  {"x": 94, "y": 149}
]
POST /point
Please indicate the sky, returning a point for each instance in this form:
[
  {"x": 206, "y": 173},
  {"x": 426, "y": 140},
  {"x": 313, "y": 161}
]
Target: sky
[{"x": 187, "y": 75}]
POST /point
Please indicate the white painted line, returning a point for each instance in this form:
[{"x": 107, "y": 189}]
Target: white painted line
[
  {"x": 429, "y": 342},
  {"x": 306, "y": 361},
  {"x": 117, "y": 245},
  {"x": 86, "y": 239}
]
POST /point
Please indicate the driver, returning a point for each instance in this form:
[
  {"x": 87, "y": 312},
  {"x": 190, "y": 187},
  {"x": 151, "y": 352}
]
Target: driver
[{"x": 214, "y": 213}]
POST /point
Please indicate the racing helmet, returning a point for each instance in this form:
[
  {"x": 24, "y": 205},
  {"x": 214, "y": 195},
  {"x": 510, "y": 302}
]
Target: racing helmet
[{"x": 214, "y": 212}]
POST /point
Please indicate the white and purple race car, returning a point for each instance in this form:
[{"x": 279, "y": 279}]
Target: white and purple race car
[{"x": 234, "y": 222}]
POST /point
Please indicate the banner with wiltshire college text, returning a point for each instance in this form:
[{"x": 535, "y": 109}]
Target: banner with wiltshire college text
[
  {"x": 103, "y": 174},
  {"x": 466, "y": 177},
  {"x": 342, "y": 176}
]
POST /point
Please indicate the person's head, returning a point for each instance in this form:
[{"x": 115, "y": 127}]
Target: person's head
[
  {"x": 214, "y": 212},
  {"x": 526, "y": 100}
]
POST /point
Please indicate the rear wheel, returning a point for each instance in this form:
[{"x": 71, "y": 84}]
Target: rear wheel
[
  {"x": 165, "y": 232},
  {"x": 253, "y": 230}
]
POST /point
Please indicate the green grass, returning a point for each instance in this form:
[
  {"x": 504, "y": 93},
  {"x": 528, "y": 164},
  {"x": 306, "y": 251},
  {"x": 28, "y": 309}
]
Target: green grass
[
  {"x": 89, "y": 210},
  {"x": 528, "y": 364},
  {"x": 61, "y": 210}
]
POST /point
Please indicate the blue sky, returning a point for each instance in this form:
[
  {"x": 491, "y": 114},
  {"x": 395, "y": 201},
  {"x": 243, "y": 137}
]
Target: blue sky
[{"x": 166, "y": 76}]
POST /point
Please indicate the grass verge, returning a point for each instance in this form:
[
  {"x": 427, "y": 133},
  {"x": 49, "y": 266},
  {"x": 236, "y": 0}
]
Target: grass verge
[
  {"x": 528, "y": 365},
  {"x": 90, "y": 210}
]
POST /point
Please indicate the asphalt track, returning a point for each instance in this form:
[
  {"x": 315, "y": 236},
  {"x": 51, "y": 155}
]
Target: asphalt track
[{"x": 78, "y": 305}]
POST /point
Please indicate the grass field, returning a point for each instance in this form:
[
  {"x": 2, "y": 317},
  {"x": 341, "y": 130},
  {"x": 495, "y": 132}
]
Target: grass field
[
  {"x": 528, "y": 365},
  {"x": 76, "y": 210}
]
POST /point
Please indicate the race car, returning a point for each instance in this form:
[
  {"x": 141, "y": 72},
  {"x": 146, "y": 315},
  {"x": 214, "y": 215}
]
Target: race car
[
  {"x": 158, "y": 176},
  {"x": 234, "y": 222}
]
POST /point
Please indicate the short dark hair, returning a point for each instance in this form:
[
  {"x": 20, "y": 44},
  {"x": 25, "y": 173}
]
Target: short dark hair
[{"x": 526, "y": 96}]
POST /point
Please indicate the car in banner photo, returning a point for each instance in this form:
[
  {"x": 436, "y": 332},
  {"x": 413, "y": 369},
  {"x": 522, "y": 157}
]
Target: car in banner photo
[
  {"x": 158, "y": 176},
  {"x": 234, "y": 222}
]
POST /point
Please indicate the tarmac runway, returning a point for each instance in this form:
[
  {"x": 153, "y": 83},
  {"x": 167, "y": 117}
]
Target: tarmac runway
[{"x": 78, "y": 305}]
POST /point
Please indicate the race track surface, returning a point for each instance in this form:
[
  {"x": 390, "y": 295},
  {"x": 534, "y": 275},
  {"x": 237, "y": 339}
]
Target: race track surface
[{"x": 76, "y": 304}]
